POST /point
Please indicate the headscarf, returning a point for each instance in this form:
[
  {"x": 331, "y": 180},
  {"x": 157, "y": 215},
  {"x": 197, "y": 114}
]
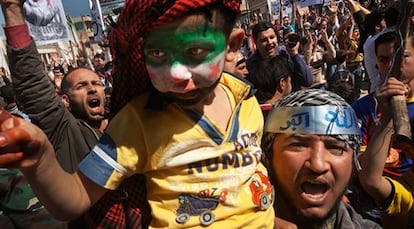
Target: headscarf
[
  {"x": 314, "y": 97},
  {"x": 127, "y": 38}
]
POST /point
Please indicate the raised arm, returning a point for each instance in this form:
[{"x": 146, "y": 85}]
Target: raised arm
[
  {"x": 34, "y": 91},
  {"x": 330, "y": 48},
  {"x": 36, "y": 94},
  {"x": 300, "y": 68},
  {"x": 24, "y": 146},
  {"x": 293, "y": 16},
  {"x": 373, "y": 159}
]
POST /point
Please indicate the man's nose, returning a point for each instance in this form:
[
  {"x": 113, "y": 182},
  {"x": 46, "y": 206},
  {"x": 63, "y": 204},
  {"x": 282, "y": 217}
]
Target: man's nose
[
  {"x": 92, "y": 88},
  {"x": 317, "y": 161}
]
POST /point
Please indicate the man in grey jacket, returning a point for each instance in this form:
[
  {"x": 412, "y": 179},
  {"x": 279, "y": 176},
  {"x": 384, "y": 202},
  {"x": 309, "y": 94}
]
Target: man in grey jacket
[{"x": 73, "y": 122}]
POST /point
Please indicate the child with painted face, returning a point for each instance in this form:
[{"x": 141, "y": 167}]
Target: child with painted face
[
  {"x": 195, "y": 135},
  {"x": 311, "y": 140}
]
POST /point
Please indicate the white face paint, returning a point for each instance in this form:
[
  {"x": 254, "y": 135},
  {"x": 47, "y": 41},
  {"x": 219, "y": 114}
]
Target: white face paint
[{"x": 181, "y": 78}]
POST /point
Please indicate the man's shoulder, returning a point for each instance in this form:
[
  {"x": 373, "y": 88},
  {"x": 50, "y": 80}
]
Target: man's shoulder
[
  {"x": 349, "y": 218},
  {"x": 253, "y": 58}
]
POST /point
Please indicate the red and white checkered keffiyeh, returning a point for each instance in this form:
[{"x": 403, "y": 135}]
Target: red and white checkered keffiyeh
[{"x": 137, "y": 18}]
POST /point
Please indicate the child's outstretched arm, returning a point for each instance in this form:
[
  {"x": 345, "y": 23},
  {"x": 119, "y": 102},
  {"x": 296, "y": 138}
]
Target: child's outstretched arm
[
  {"x": 24, "y": 146},
  {"x": 373, "y": 159}
]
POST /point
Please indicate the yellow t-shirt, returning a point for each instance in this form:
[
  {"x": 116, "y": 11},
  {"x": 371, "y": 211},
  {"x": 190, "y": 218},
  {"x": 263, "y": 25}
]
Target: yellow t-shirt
[
  {"x": 196, "y": 173},
  {"x": 402, "y": 202}
]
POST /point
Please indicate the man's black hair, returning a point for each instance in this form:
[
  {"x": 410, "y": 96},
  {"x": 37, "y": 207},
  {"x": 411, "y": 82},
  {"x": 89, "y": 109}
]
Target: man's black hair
[
  {"x": 260, "y": 27},
  {"x": 267, "y": 76},
  {"x": 388, "y": 37},
  {"x": 371, "y": 20}
]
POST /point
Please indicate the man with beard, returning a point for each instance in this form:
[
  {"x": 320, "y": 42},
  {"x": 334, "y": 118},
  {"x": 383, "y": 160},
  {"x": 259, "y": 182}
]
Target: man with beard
[
  {"x": 311, "y": 139},
  {"x": 264, "y": 36},
  {"x": 194, "y": 133},
  {"x": 73, "y": 123}
]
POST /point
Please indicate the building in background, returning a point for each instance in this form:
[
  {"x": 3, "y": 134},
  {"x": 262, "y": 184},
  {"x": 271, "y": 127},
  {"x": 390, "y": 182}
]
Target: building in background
[{"x": 258, "y": 9}]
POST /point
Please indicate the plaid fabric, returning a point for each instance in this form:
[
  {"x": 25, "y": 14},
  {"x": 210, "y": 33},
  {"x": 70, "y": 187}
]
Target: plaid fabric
[
  {"x": 126, "y": 207},
  {"x": 127, "y": 39}
]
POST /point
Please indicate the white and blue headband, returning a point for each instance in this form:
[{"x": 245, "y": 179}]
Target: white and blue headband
[{"x": 322, "y": 119}]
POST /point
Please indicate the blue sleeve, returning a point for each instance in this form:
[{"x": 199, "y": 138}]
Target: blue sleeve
[
  {"x": 301, "y": 71},
  {"x": 101, "y": 163}
]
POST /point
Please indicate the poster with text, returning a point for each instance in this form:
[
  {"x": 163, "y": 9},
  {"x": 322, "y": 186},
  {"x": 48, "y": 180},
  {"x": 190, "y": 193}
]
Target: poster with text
[
  {"x": 286, "y": 6},
  {"x": 46, "y": 20},
  {"x": 97, "y": 21}
]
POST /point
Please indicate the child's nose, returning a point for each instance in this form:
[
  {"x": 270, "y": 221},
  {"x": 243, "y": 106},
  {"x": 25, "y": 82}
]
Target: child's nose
[{"x": 180, "y": 73}]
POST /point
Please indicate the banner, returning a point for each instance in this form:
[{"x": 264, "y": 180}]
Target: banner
[
  {"x": 46, "y": 20},
  {"x": 275, "y": 6},
  {"x": 97, "y": 21}
]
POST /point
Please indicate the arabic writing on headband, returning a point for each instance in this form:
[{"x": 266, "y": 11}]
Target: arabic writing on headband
[
  {"x": 302, "y": 120},
  {"x": 297, "y": 120},
  {"x": 346, "y": 120}
]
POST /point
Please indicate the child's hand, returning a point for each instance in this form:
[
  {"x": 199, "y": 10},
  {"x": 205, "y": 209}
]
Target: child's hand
[{"x": 22, "y": 144}]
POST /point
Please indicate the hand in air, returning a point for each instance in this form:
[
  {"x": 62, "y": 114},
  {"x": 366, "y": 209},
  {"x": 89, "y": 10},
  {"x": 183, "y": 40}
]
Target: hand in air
[
  {"x": 391, "y": 88},
  {"x": 22, "y": 144}
]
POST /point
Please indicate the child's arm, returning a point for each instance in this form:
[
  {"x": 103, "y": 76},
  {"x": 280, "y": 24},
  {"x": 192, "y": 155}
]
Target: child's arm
[
  {"x": 373, "y": 160},
  {"x": 24, "y": 146}
]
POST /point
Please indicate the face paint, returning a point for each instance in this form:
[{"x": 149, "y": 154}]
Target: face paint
[
  {"x": 180, "y": 59},
  {"x": 180, "y": 78}
]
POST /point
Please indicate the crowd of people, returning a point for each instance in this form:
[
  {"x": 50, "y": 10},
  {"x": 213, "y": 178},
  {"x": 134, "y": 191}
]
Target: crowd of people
[{"x": 199, "y": 120}]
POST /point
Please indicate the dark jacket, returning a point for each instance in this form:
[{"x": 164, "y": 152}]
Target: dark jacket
[
  {"x": 72, "y": 138},
  {"x": 301, "y": 75},
  {"x": 347, "y": 217}
]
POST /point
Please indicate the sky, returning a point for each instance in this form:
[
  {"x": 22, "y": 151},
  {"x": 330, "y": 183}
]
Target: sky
[{"x": 76, "y": 7}]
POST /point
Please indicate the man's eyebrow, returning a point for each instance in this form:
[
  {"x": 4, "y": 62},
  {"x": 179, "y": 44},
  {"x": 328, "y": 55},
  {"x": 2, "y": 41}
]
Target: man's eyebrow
[
  {"x": 307, "y": 137},
  {"x": 300, "y": 137}
]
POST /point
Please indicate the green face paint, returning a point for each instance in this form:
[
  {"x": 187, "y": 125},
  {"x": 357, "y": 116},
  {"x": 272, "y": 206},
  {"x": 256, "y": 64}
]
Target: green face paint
[{"x": 189, "y": 45}]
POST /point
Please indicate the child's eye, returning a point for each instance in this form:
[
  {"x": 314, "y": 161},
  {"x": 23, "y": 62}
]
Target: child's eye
[
  {"x": 156, "y": 53},
  {"x": 197, "y": 51}
]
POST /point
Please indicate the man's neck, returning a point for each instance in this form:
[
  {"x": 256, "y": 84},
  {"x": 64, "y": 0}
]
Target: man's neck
[
  {"x": 285, "y": 210},
  {"x": 97, "y": 125}
]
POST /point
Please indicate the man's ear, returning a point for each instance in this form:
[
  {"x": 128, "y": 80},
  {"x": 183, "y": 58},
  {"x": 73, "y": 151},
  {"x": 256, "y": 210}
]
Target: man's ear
[
  {"x": 233, "y": 45},
  {"x": 282, "y": 85},
  {"x": 65, "y": 100}
]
